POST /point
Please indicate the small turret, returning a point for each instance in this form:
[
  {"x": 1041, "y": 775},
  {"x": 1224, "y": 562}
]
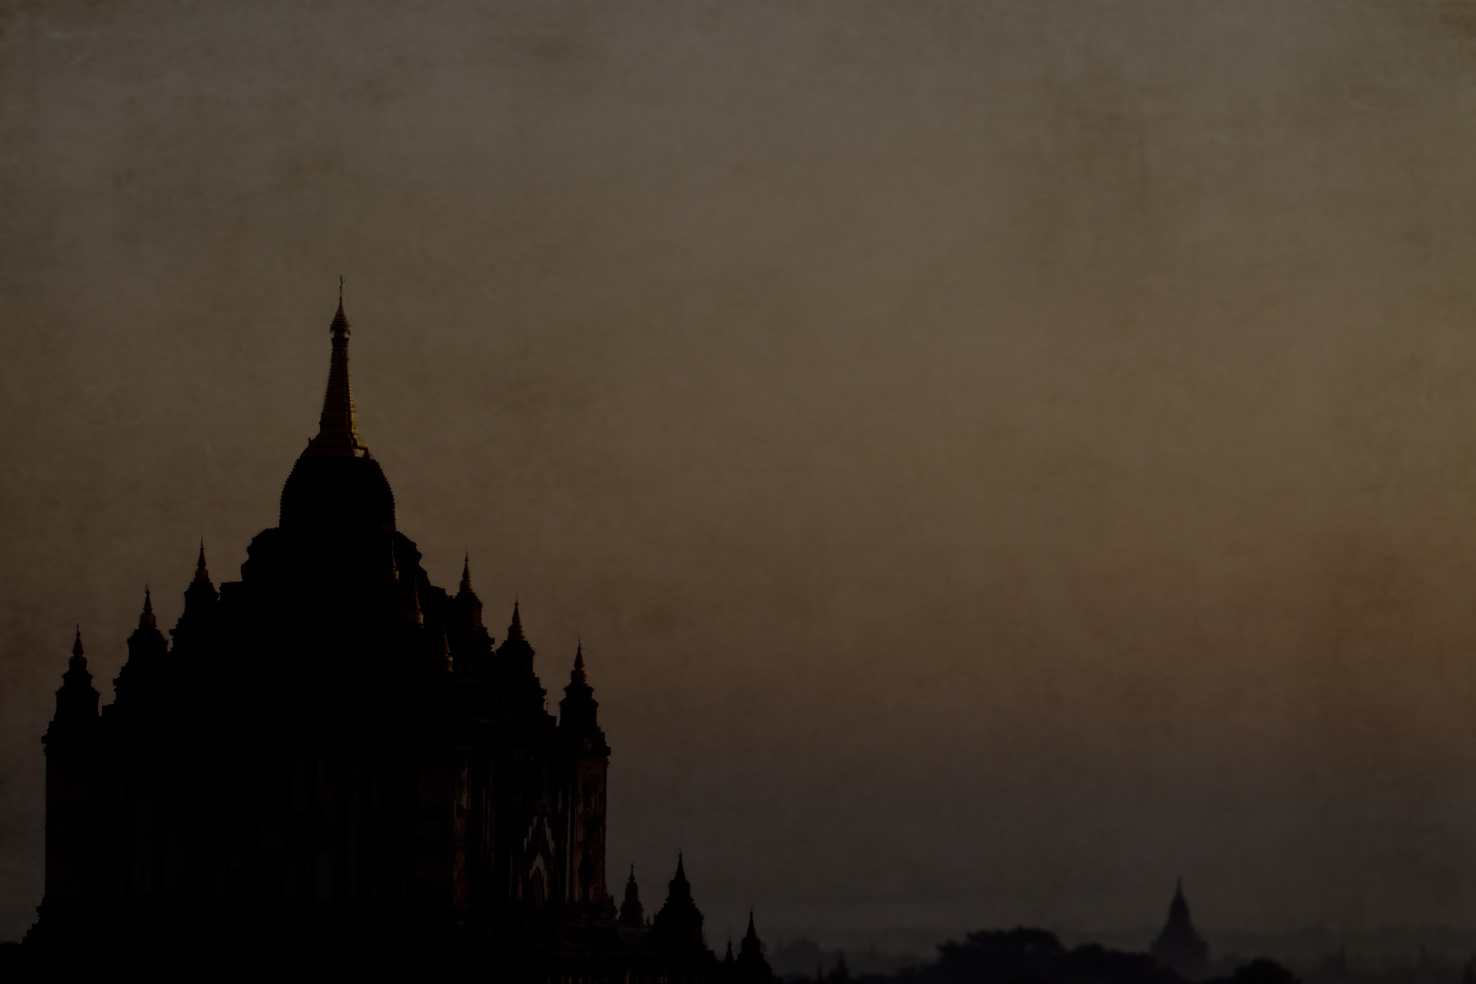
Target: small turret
[
  {"x": 515, "y": 666},
  {"x": 515, "y": 629},
  {"x": 751, "y": 965},
  {"x": 632, "y": 915},
  {"x": 197, "y": 622},
  {"x": 632, "y": 925},
  {"x": 71, "y": 758},
  {"x": 76, "y": 701},
  {"x": 142, "y": 679},
  {"x": 578, "y": 708},
  {"x": 464, "y": 590},
  {"x": 677, "y": 928},
  {"x": 146, "y": 619},
  {"x": 471, "y": 645}
]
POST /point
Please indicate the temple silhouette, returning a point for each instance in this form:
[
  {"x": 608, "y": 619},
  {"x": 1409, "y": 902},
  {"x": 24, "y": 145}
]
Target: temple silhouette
[{"x": 334, "y": 754}]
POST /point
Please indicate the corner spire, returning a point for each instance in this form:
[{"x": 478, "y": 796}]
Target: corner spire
[
  {"x": 515, "y": 628},
  {"x": 146, "y": 618},
  {"x": 338, "y": 434},
  {"x": 76, "y": 701},
  {"x": 632, "y": 914}
]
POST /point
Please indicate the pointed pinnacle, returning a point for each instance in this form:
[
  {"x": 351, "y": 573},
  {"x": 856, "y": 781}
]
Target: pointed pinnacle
[
  {"x": 201, "y": 574},
  {"x": 515, "y": 628},
  {"x": 146, "y": 618},
  {"x": 579, "y": 655},
  {"x": 466, "y": 584},
  {"x": 77, "y": 648}
]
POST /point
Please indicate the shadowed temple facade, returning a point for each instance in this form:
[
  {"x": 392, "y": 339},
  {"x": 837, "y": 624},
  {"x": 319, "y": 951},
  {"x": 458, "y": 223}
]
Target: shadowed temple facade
[{"x": 333, "y": 751}]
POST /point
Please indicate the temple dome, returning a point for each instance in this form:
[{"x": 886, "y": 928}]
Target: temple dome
[{"x": 324, "y": 491}]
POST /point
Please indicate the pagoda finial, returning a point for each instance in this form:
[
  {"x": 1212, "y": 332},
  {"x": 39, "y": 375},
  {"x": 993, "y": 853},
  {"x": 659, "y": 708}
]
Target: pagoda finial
[
  {"x": 466, "y": 584},
  {"x": 77, "y": 654},
  {"x": 201, "y": 574},
  {"x": 416, "y": 615},
  {"x": 443, "y": 659},
  {"x": 146, "y": 618}
]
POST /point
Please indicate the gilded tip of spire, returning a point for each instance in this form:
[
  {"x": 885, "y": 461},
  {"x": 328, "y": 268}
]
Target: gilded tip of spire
[{"x": 340, "y": 320}]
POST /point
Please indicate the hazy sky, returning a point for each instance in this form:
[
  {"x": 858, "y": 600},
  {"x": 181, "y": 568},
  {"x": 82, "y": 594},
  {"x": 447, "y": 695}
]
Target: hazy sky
[{"x": 999, "y": 457}]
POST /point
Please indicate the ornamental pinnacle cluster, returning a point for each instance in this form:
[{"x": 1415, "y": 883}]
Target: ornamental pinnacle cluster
[{"x": 335, "y": 753}]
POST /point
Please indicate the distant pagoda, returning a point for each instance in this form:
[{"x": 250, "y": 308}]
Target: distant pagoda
[{"x": 1179, "y": 947}]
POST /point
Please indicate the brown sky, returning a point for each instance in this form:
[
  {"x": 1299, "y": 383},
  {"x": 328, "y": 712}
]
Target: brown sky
[{"x": 999, "y": 456}]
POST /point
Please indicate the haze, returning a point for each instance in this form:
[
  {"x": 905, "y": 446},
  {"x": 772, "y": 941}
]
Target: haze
[{"x": 998, "y": 457}]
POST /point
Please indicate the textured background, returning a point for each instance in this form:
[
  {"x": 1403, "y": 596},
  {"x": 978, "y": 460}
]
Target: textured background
[{"x": 998, "y": 456}]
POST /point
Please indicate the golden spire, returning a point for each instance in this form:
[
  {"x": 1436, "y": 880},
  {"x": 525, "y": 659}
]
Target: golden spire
[{"x": 337, "y": 427}]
